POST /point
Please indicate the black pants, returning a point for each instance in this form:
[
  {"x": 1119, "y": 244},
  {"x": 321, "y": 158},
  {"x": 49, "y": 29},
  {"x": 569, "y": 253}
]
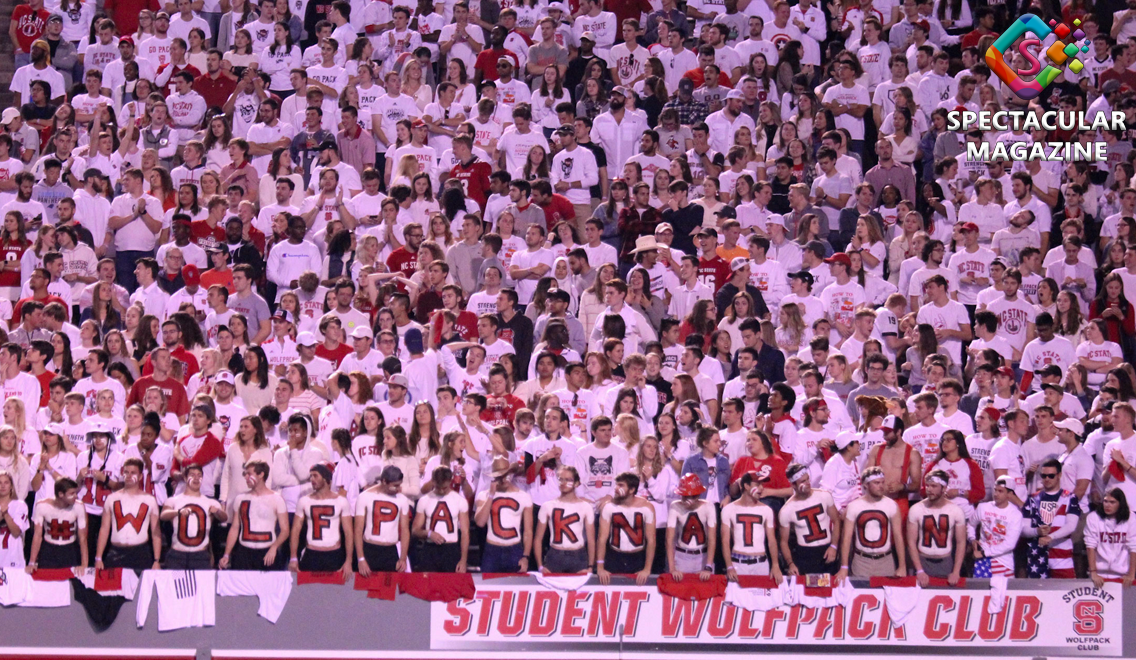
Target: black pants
[
  {"x": 625, "y": 562},
  {"x": 252, "y": 559},
  {"x": 323, "y": 560},
  {"x": 202, "y": 560},
  {"x": 811, "y": 560},
  {"x": 381, "y": 558},
  {"x": 502, "y": 558},
  {"x": 434, "y": 558},
  {"x": 94, "y": 524},
  {"x": 138, "y": 557},
  {"x": 566, "y": 561},
  {"x": 58, "y": 556}
]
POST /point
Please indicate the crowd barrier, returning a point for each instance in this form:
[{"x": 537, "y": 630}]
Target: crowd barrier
[{"x": 497, "y": 616}]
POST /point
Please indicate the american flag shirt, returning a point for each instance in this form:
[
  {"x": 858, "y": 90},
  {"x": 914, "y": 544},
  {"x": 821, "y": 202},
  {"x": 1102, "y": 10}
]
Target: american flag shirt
[{"x": 1061, "y": 512}]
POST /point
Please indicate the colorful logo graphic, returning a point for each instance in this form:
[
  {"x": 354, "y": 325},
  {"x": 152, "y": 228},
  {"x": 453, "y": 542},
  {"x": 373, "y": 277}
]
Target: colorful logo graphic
[{"x": 1059, "y": 54}]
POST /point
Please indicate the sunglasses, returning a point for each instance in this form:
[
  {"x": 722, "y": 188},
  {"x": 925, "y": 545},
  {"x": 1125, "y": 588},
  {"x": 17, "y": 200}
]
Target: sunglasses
[{"x": 1048, "y": 476}]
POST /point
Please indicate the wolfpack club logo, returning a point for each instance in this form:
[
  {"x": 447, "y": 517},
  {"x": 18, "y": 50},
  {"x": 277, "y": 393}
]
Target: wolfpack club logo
[{"x": 1059, "y": 54}]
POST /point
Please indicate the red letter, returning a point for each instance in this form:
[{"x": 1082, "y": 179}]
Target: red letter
[
  {"x": 545, "y": 612},
  {"x": 487, "y": 598},
  {"x": 716, "y": 626},
  {"x": 747, "y": 629},
  {"x": 932, "y": 629},
  {"x": 992, "y": 628},
  {"x": 771, "y": 619},
  {"x": 634, "y": 600},
  {"x": 573, "y": 611},
  {"x": 605, "y": 614},
  {"x": 1088, "y": 617},
  {"x": 1026, "y": 611},
  {"x": 859, "y": 629},
  {"x": 459, "y": 625},
  {"x": 961, "y": 633},
  {"x": 511, "y": 623}
]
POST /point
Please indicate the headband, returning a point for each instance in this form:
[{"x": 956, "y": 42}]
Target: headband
[
  {"x": 875, "y": 476},
  {"x": 933, "y": 479}
]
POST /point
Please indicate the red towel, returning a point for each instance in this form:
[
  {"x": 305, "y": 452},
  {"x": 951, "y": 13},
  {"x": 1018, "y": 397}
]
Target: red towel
[
  {"x": 439, "y": 587},
  {"x": 54, "y": 574},
  {"x": 321, "y": 577},
  {"x": 1115, "y": 472},
  {"x": 691, "y": 588},
  {"x": 382, "y": 586},
  {"x": 756, "y": 582},
  {"x": 108, "y": 580}
]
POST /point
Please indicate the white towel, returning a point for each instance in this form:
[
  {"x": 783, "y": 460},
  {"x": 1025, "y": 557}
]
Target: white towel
[
  {"x": 755, "y": 600},
  {"x": 272, "y": 587},
  {"x": 186, "y": 599},
  {"x": 998, "y": 586},
  {"x": 842, "y": 594},
  {"x": 561, "y": 582},
  {"x": 15, "y": 586},
  {"x": 48, "y": 594},
  {"x": 901, "y": 602}
]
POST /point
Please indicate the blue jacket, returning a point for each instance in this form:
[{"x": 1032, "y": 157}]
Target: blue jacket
[{"x": 696, "y": 464}]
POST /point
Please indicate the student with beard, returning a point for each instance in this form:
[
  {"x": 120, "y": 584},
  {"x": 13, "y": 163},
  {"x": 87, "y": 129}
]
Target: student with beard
[
  {"x": 874, "y": 522},
  {"x": 936, "y": 532},
  {"x": 627, "y": 533}
]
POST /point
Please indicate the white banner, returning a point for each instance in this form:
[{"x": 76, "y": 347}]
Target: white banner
[{"x": 1079, "y": 620}]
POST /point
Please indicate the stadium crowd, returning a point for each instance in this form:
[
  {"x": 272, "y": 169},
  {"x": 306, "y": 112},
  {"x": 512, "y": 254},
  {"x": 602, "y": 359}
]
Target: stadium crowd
[{"x": 616, "y": 286}]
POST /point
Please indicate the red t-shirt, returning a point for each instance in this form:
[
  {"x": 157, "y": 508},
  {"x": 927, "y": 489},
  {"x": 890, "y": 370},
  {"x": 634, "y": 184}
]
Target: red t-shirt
[
  {"x": 475, "y": 180},
  {"x": 698, "y": 77},
  {"x": 12, "y": 251},
  {"x": 204, "y": 236},
  {"x": 487, "y": 62},
  {"x": 402, "y": 259},
  {"x": 501, "y": 410},
  {"x": 336, "y": 356},
  {"x": 29, "y": 25},
  {"x": 558, "y": 209},
  {"x": 772, "y": 469},
  {"x": 465, "y": 326},
  {"x": 18, "y": 311},
  {"x": 178, "y": 353},
  {"x": 176, "y": 400},
  {"x": 45, "y": 386},
  {"x": 714, "y": 272}
]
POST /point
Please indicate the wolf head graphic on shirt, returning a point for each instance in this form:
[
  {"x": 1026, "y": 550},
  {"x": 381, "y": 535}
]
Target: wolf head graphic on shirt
[{"x": 600, "y": 465}]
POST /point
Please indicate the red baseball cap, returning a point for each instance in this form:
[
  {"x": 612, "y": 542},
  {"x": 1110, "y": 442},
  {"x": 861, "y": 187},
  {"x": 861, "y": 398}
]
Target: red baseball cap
[
  {"x": 840, "y": 258},
  {"x": 191, "y": 275},
  {"x": 969, "y": 226}
]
